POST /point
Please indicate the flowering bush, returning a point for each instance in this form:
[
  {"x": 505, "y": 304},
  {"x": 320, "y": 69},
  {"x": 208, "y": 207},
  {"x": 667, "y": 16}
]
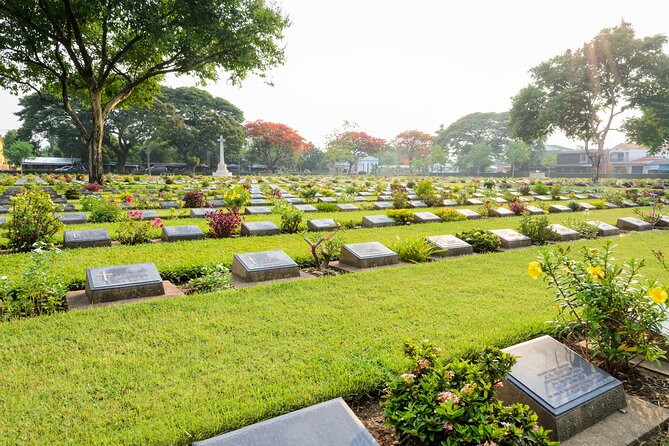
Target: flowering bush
[
  {"x": 652, "y": 216},
  {"x": 104, "y": 210},
  {"x": 487, "y": 208},
  {"x": 399, "y": 195},
  {"x": 481, "y": 240},
  {"x": 517, "y": 207},
  {"x": 223, "y": 222},
  {"x": 454, "y": 403},
  {"x": 401, "y": 216},
  {"x": 32, "y": 220},
  {"x": 236, "y": 197},
  {"x": 538, "y": 229},
  {"x": 617, "y": 310},
  {"x": 134, "y": 230},
  {"x": 92, "y": 187},
  {"x": 194, "y": 199}
]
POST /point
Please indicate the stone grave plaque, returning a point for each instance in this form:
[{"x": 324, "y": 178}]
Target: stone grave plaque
[
  {"x": 58, "y": 200},
  {"x": 604, "y": 229},
  {"x": 630, "y": 204},
  {"x": 662, "y": 222},
  {"x": 450, "y": 245},
  {"x": 533, "y": 210},
  {"x": 413, "y": 197},
  {"x": 67, "y": 208},
  {"x": 4, "y": 209},
  {"x": 112, "y": 283},
  {"x": 327, "y": 200},
  {"x": 294, "y": 200},
  {"x": 499, "y": 200},
  {"x": 449, "y": 203},
  {"x": 177, "y": 233},
  {"x": 257, "y": 196},
  {"x": 149, "y": 215},
  {"x": 258, "y": 202},
  {"x": 425, "y": 217},
  {"x": 367, "y": 255},
  {"x": 257, "y": 210},
  {"x": 305, "y": 208},
  {"x": 511, "y": 239},
  {"x": 364, "y": 194},
  {"x": 611, "y": 205},
  {"x": 385, "y": 198},
  {"x": 586, "y": 207},
  {"x": 72, "y": 218},
  {"x": 380, "y": 205},
  {"x": 563, "y": 198},
  {"x": 347, "y": 207},
  {"x": 3, "y": 221},
  {"x": 86, "y": 238},
  {"x": 377, "y": 221},
  {"x": 327, "y": 424},
  {"x": 563, "y": 233},
  {"x": 474, "y": 202},
  {"x": 359, "y": 199},
  {"x": 471, "y": 215},
  {"x": 503, "y": 212},
  {"x": 580, "y": 197},
  {"x": 216, "y": 203},
  {"x": 322, "y": 224},
  {"x": 200, "y": 212},
  {"x": 250, "y": 228},
  {"x": 266, "y": 265},
  {"x": 478, "y": 195},
  {"x": 568, "y": 393},
  {"x": 558, "y": 208},
  {"x": 417, "y": 204},
  {"x": 594, "y": 196},
  {"x": 633, "y": 224}
]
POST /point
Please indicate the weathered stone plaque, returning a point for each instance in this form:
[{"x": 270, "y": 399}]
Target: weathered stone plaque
[
  {"x": 633, "y": 224},
  {"x": 385, "y": 198},
  {"x": 503, "y": 212},
  {"x": 511, "y": 239},
  {"x": 367, "y": 255},
  {"x": 449, "y": 203},
  {"x": 558, "y": 208},
  {"x": 266, "y": 265},
  {"x": 86, "y": 238},
  {"x": 4, "y": 209},
  {"x": 568, "y": 393},
  {"x": 474, "y": 202},
  {"x": 377, "y": 221},
  {"x": 305, "y": 208},
  {"x": 586, "y": 207},
  {"x": 425, "y": 217},
  {"x": 417, "y": 204},
  {"x": 347, "y": 207},
  {"x": 533, "y": 210},
  {"x": 413, "y": 197},
  {"x": 499, "y": 200},
  {"x": 258, "y": 202},
  {"x": 257, "y": 196},
  {"x": 322, "y": 224},
  {"x": 250, "y": 228},
  {"x": 3, "y": 221},
  {"x": 630, "y": 204},
  {"x": 72, "y": 218},
  {"x": 327, "y": 424},
  {"x": 380, "y": 205},
  {"x": 604, "y": 229},
  {"x": 216, "y": 203},
  {"x": 450, "y": 246},
  {"x": 327, "y": 200},
  {"x": 112, "y": 283},
  {"x": 148, "y": 215},
  {"x": 257, "y": 210},
  {"x": 200, "y": 212},
  {"x": 471, "y": 215},
  {"x": 662, "y": 222},
  {"x": 177, "y": 233},
  {"x": 542, "y": 198},
  {"x": 67, "y": 208},
  {"x": 563, "y": 233},
  {"x": 611, "y": 205}
]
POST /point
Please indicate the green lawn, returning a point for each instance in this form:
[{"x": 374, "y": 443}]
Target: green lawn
[{"x": 172, "y": 371}]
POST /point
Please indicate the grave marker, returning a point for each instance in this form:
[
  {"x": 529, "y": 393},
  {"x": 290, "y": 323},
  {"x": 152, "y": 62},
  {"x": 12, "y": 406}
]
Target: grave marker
[
  {"x": 112, "y": 283},
  {"x": 178, "y": 233},
  {"x": 633, "y": 224},
  {"x": 86, "y": 238},
  {"x": 377, "y": 221},
  {"x": 558, "y": 208},
  {"x": 563, "y": 233},
  {"x": 266, "y": 265},
  {"x": 367, "y": 255},
  {"x": 257, "y": 210},
  {"x": 511, "y": 239},
  {"x": 450, "y": 245},
  {"x": 322, "y": 224},
  {"x": 425, "y": 217},
  {"x": 72, "y": 218},
  {"x": 257, "y": 228},
  {"x": 604, "y": 229}
]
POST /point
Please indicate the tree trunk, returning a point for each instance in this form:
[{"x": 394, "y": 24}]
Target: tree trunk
[
  {"x": 350, "y": 167},
  {"x": 95, "y": 168},
  {"x": 597, "y": 161},
  {"x": 513, "y": 170}
]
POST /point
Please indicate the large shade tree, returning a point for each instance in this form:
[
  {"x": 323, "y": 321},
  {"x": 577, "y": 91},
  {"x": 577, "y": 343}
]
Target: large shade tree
[
  {"x": 274, "y": 143},
  {"x": 584, "y": 92},
  {"x": 349, "y": 145},
  {"x": 114, "y": 52},
  {"x": 413, "y": 145}
]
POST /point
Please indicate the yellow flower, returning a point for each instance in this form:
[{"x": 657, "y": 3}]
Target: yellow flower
[
  {"x": 658, "y": 295},
  {"x": 534, "y": 270},
  {"x": 595, "y": 272}
]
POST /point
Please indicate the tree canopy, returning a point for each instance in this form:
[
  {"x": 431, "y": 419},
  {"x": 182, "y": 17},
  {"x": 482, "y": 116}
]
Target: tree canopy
[
  {"x": 349, "y": 145},
  {"x": 413, "y": 144},
  {"x": 113, "y": 53},
  {"x": 581, "y": 92},
  {"x": 274, "y": 143}
]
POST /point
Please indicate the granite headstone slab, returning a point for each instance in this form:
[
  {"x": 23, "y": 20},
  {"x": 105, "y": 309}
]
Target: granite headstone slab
[
  {"x": 250, "y": 228},
  {"x": 450, "y": 246},
  {"x": 604, "y": 229},
  {"x": 568, "y": 393},
  {"x": 347, "y": 207},
  {"x": 563, "y": 233},
  {"x": 367, "y": 255},
  {"x": 511, "y": 239},
  {"x": 380, "y": 205},
  {"x": 425, "y": 217},
  {"x": 327, "y": 424},
  {"x": 558, "y": 208},
  {"x": 257, "y": 210},
  {"x": 86, "y": 238},
  {"x": 377, "y": 221},
  {"x": 503, "y": 212},
  {"x": 305, "y": 208},
  {"x": 417, "y": 204},
  {"x": 3, "y": 221},
  {"x": 294, "y": 200},
  {"x": 471, "y": 215},
  {"x": 112, "y": 283},
  {"x": 633, "y": 224},
  {"x": 327, "y": 200},
  {"x": 178, "y": 233},
  {"x": 322, "y": 224},
  {"x": 533, "y": 210},
  {"x": 72, "y": 218},
  {"x": 265, "y": 265},
  {"x": 200, "y": 212}
]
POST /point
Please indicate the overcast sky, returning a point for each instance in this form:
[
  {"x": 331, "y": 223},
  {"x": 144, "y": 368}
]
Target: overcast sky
[{"x": 395, "y": 65}]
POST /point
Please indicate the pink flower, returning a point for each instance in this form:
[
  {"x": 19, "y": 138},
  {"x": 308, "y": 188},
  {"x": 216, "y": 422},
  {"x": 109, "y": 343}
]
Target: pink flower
[
  {"x": 448, "y": 427},
  {"x": 408, "y": 377},
  {"x": 535, "y": 427},
  {"x": 128, "y": 199},
  {"x": 423, "y": 363}
]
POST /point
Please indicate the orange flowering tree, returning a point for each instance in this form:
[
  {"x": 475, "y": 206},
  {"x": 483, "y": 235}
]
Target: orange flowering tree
[
  {"x": 351, "y": 145},
  {"x": 274, "y": 143},
  {"x": 413, "y": 145}
]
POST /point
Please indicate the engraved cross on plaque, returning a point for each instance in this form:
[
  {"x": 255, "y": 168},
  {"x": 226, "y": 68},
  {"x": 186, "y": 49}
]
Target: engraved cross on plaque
[{"x": 105, "y": 275}]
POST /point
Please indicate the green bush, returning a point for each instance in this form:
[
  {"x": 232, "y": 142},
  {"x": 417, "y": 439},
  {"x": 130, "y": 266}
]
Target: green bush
[
  {"x": 211, "y": 279},
  {"x": 574, "y": 206},
  {"x": 538, "y": 229},
  {"x": 448, "y": 214},
  {"x": 599, "y": 204},
  {"x": 556, "y": 191},
  {"x": 586, "y": 230},
  {"x": 346, "y": 224},
  {"x": 133, "y": 230},
  {"x": 481, "y": 240},
  {"x": 454, "y": 403},
  {"x": 414, "y": 249},
  {"x": 105, "y": 211},
  {"x": 32, "y": 221},
  {"x": 291, "y": 219},
  {"x": 326, "y": 207},
  {"x": 401, "y": 216},
  {"x": 613, "y": 306},
  {"x": 73, "y": 192},
  {"x": 540, "y": 189}
]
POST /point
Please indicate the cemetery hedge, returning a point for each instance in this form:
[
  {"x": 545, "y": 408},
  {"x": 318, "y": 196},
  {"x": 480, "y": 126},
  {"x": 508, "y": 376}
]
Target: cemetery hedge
[
  {"x": 174, "y": 371},
  {"x": 70, "y": 265}
]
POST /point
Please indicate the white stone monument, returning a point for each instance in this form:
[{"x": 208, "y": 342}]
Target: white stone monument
[{"x": 222, "y": 170}]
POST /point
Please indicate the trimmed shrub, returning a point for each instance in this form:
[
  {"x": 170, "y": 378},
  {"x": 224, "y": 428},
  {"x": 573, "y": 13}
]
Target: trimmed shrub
[
  {"x": 32, "y": 220},
  {"x": 326, "y": 207},
  {"x": 105, "y": 211},
  {"x": 401, "y": 216},
  {"x": 517, "y": 207},
  {"x": 72, "y": 193},
  {"x": 481, "y": 240},
  {"x": 448, "y": 214}
]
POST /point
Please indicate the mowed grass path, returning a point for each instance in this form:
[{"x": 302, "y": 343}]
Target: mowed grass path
[{"x": 170, "y": 372}]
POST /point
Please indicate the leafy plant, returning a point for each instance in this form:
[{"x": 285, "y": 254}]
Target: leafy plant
[
  {"x": 105, "y": 211},
  {"x": 599, "y": 204},
  {"x": 326, "y": 207},
  {"x": 72, "y": 193},
  {"x": 401, "y": 216},
  {"x": 573, "y": 205},
  {"x": 194, "y": 199},
  {"x": 414, "y": 249},
  {"x": 517, "y": 207},
  {"x": 32, "y": 220},
  {"x": 211, "y": 279},
  {"x": 613, "y": 306},
  {"x": 585, "y": 229},
  {"x": 399, "y": 196},
  {"x": 92, "y": 187},
  {"x": 308, "y": 193},
  {"x": 556, "y": 191},
  {"x": 236, "y": 197},
  {"x": 487, "y": 208},
  {"x": 448, "y": 214},
  {"x": 324, "y": 248},
  {"x": 223, "y": 222},
  {"x": 540, "y": 189},
  {"x": 651, "y": 216},
  {"x": 437, "y": 403},
  {"x": 538, "y": 228},
  {"x": 481, "y": 240},
  {"x": 133, "y": 230},
  {"x": 291, "y": 219}
]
